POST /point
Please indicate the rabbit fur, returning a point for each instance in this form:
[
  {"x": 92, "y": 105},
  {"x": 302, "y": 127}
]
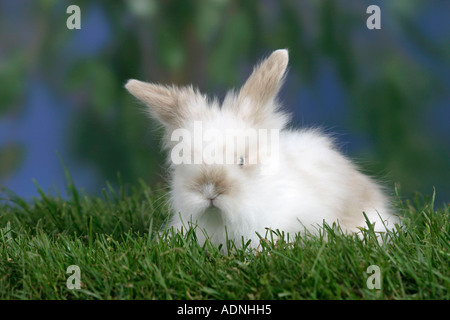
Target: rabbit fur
[{"x": 312, "y": 181}]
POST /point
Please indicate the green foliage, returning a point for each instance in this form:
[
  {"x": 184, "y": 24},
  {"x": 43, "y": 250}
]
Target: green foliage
[
  {"x": 11, "y": 156},
  {"x": 115, "y": 241},
  {"x": 113, "y": 237},
  {"x": 12, "y": 77},
  {"x": 210, "y": 43}
]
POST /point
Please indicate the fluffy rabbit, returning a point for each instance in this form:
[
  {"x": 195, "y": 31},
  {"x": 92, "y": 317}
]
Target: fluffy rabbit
[{"x": 292, "y": 181}]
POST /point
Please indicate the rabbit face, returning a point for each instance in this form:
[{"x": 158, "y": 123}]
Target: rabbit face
[{"x": 226, "y": 155}]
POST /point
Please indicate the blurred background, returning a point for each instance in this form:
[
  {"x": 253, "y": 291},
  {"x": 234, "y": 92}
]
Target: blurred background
[{"x": 386, "y": 93}]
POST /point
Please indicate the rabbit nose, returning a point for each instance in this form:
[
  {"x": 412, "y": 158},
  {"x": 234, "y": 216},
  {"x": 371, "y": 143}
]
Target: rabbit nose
[
  {"x": 211, "y": 202},
  {"x": 209, "y": 191}
]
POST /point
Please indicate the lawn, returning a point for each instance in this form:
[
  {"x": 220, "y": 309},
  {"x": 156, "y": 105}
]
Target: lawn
[{"x": 113, "y": 242}]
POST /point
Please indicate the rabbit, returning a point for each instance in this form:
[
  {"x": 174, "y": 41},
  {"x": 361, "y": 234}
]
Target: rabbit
[{"x": 293, "y": 187}]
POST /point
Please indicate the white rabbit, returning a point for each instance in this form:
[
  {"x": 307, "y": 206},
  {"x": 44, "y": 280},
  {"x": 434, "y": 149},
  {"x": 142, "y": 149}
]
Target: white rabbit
[{"x": 310, "y": 180}]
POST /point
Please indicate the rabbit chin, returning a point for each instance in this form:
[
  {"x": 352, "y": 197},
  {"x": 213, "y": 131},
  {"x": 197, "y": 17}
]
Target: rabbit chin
[
  {"x": 213, "y": 214},
  {"x": 212, "y": 218},
  {"x": 217, "y": 222}
]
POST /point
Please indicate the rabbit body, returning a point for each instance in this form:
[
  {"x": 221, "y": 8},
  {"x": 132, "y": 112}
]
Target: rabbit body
[{"x": 292, "y": 180}]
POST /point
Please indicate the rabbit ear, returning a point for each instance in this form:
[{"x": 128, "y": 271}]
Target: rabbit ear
[
  {"x": 264, "y": 83},
  {"x": 256, "y": 99},
  {"x": 166, "y": 104}
]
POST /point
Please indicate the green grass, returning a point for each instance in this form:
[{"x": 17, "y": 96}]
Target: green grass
[{"x": 112, "y": 239}]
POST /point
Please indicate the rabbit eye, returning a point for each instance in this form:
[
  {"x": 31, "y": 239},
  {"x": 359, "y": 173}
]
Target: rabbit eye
[{"x": 241, "y": 161}]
